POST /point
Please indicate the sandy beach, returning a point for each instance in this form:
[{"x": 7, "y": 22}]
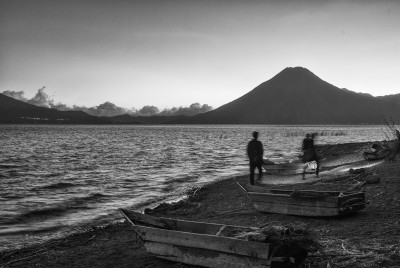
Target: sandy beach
[{"x": 369, "y": 238}]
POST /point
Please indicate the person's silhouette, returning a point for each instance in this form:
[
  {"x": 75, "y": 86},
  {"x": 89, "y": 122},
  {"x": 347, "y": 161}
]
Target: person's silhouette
[
  {"x": 398, "y": 141},
  {"x": 309, "y": 154},
  {"x": 255, "y": 153}
]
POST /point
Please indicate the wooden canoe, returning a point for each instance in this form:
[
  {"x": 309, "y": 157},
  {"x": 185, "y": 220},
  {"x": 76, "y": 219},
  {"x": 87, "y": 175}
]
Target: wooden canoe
[
  {"x": 198, "y": 243},
  {"x": 304, "y": 202},
  {"x": 286, "y": 169}
]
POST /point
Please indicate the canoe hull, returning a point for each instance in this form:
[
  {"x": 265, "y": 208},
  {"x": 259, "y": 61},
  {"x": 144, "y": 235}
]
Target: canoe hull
[
  {"x": 197, "y": 243},
  {"x": 202, "y": 257},
  {"x": 304, "y": 203}
]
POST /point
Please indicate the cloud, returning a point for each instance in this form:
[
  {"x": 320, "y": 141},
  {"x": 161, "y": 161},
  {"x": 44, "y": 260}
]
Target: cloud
[
  {"x": 193, "y": 109},
  {"x": 147, "y": 111},
  {"x": 41, "y": 99},
  {"x": 61, "y": 107},
  {"x": 18, "y": 95},
  {"x": 108, "y": 109},
  {"x": 105, "y": 109}
]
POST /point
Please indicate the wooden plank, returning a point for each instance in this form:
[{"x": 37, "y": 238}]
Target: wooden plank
[
  {"x": 243, "y": 188},
  {"x": 347, "y": 196},
  {"x": 136, "y": 218},
  {"x": 204, "y": 257},
  {"x": 262, "y": 189},
  {"x": 327, "y": 202},
  {"x": 312, "y": 194},
  {"x": 295, "y": 209},
  {"x": 352, "y": 208},
  {"x": 220, "y": 230},
  {"x": 197, "y": 227},
  {"x": 350, "y": 199},
  {"x": 212, "y": 242},
  {"x": 307, "y": 193},
  {"x": 287, "y": 171},
  {"x": 285, "y": 166}
]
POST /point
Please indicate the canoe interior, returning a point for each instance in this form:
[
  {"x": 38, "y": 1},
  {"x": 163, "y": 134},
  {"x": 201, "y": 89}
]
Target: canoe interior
[
  {"x": 287, "y": 169},
  {"x": 178, "y": 225},
  {"x": 285, "y": 165},
  {"x": 304, "y": 202}
]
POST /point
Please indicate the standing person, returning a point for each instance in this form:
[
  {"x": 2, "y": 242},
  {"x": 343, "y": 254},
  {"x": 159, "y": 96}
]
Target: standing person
[
  {"x": 309, "y": 154},
  {"x": 255, "y": 153}
]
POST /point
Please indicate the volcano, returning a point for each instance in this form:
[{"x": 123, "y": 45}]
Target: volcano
[{"x": 298, "y": 96}]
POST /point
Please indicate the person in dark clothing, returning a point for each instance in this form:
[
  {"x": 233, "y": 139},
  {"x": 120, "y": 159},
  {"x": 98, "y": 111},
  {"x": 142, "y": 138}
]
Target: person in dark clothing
[
  {"x": 255, "y": 153},
  {"x": 398, "y": 141},
  {"x": 309, "y": 154}
]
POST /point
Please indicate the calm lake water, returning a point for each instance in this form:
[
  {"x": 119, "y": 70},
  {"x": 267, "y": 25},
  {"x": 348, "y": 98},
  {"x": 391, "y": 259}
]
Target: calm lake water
[{"x": 55, "y": 180}]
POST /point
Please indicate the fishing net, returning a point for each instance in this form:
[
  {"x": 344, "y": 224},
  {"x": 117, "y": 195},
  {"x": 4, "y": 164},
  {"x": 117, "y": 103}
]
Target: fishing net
[{"x": 293, "y": 242}]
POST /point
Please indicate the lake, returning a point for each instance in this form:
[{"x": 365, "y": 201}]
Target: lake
[{"x": 58, "y": 179}]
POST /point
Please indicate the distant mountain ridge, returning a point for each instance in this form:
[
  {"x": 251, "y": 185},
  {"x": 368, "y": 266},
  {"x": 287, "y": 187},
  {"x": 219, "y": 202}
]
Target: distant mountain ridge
[
  {"x": 297, "y": 96},
  {"x": 394, "y": 97},
  {"x": 293, "y": 96},
  {"x": 15, "y": 111}
]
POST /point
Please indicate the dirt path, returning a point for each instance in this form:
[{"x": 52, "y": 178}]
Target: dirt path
[
  {"x": 336, "y": 161},
  {"x": 329, "y": 170}
]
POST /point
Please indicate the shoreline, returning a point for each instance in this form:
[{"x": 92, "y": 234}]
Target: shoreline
[
  {"x": 368, "y": 238},
  {"x": 80, "y": 229}
]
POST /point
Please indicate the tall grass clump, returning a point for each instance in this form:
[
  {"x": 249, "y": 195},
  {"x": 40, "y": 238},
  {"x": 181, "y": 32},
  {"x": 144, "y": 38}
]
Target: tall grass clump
[
  {"x": 389, "y": 129},
  {"x": 328, "y": 133},
  {"x": 391, "y": 132}
]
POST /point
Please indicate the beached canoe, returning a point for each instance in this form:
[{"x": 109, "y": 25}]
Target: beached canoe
[
  {"x": 288, "y": 168},
  {"x": 199, "y": 243},
  {"x": 303, "y": 202}
]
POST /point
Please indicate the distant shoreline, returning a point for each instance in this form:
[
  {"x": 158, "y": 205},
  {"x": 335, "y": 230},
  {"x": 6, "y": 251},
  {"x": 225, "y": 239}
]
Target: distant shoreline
[{"x": 175, "y": 124}]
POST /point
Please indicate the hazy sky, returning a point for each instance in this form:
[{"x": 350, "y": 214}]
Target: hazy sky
[{"x": 174, "y": 53}]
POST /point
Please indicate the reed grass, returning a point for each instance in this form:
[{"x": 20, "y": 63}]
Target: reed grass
[
  {"x": 389, "y": 128},
  {"x": 328, "y": 133}
]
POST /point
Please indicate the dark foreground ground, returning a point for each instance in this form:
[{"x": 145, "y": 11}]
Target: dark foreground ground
[{"x": 370, "y": 238}]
